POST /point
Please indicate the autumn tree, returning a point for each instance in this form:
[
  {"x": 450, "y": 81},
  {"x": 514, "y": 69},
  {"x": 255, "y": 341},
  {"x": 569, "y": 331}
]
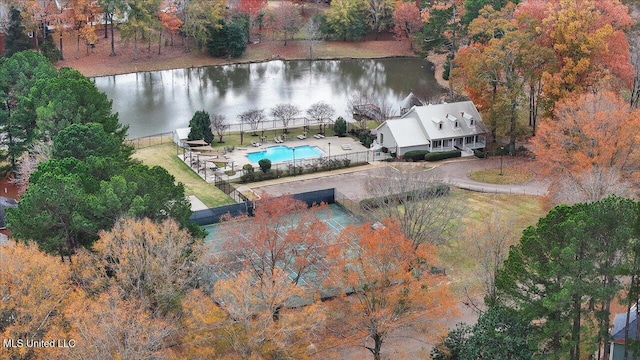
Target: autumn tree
[
  {"x": 141, "y": 20},
  {"x": 79, "y": 17},
  {"x": 253, "y": 9},
  {"x": 201, "y": 322},
  {"x": 252, "y": 117},
  {"x": 418, "y": 203},
  {"x": 34, "y": 289},
  {"x": 169, "y": 21},
  {"x": 114, "y": 324},
  {"x": 285, "y": 113},
  {"x": 589, "y": 149},
  {"x": 407, "y": 21},
  {"x": 378, "y": 15},
  {"x": 258, "y": 321},
  {"x": 288, "y": 20},
  {"x": 389, "y": 283},
  {"x": 588, "y": 42},
  {"x": 154, "y": 263},
  {"x": 345, "y": 19},
  {"x": 321, "y": 112},
  {"x": 283, "y": 233},
  {"x": 197, "y": 17}
]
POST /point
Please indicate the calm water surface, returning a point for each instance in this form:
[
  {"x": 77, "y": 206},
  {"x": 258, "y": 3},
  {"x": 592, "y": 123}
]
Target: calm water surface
[{"x": 160, "y": 101}]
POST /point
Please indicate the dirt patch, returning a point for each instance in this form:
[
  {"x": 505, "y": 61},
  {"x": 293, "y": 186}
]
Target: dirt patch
[
  {"x": 438, "y": 61},
  {"x": 96, "y": 61}
]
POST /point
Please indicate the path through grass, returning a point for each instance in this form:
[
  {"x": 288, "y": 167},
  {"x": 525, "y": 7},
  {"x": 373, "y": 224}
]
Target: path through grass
[{"x": 164, "y": 155}]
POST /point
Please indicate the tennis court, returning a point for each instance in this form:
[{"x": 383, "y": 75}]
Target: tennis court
[{"x": 334, "y": 216}]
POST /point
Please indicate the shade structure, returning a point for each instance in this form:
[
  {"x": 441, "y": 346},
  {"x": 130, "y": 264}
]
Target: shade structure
[
  {"x": 197, "y": 143},
  {"x": 202, "y": 148}
]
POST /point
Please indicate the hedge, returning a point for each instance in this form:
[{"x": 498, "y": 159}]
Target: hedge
[
  {"x": 416, "y": 155},
  {"x": 431, "y": 192},
  {"x": 442, "y": 155}
]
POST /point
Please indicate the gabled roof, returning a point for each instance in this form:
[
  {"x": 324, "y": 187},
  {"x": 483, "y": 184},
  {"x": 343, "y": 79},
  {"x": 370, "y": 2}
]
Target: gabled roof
[
  {"x": 458, "y": 116},
  {"x": 619, "y": 322},
  {"x": 406, "y": 132}
]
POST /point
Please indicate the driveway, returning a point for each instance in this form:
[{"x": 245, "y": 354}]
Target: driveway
[{"x": 452, "y": 172}]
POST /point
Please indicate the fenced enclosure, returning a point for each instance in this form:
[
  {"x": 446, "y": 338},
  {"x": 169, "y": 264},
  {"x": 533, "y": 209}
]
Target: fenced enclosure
[
  {"x": 311, "y": 165},
  {"x": 152, "y": 140}
]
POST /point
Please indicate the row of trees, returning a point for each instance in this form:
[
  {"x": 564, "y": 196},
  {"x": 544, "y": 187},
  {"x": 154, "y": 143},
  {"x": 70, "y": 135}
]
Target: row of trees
[
  {"x": 556, "y": 288},
  {"x": 150, "y": 290},
  {"x": 203, "y": 125}
]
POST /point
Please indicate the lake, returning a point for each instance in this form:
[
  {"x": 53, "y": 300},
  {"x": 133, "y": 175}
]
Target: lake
[{"x": 160, "y": 101}]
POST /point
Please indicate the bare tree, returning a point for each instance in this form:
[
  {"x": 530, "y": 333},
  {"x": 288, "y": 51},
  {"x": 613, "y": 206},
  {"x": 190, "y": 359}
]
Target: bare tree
[
  {"x": 366, "y": 106},
  {"x": 253, "y": 117},
  {"x": 39, "y": 152},
  {"x": 219, "y": 125},
  {"x": 387, "y": 110},
  {"x": 321, "y": 112},
  {"x": 591, "y": 185},
  {"x": 418, "y": 202},
  {"x": 313, "y": 34},
  {"x": 489, "y": 245},
  {"x": 285, "y": 113},
  {"x": 287, "y": 20}
]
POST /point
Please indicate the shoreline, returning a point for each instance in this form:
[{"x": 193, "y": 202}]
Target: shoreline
[
  {"x": 97, "y": 61},
  {"x": 259, "y": 61}
]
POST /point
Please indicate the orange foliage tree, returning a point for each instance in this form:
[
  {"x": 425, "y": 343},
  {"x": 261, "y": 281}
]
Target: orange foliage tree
[
  {"x": 590, "y": 148},
  {"x": 109, "y": 326},
  {"x": 588, "y": 41},
  {"x": 33, "y": 291},
  {"x": 283, "y": 233},
  {"x": 156, "y": 263},
  {"x": 259, "y": 322},
  {"x": 390, "y": 283}
]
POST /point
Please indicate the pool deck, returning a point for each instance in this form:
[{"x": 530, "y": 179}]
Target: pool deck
[{"x": 238, "y": 156}]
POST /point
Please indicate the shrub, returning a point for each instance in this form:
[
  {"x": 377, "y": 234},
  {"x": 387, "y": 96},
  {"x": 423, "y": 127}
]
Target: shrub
[
  {"x": 265, "y": 165},
  {"x": 394, "y": 199},
  {"x": 340, "y": 127},
  {"x": 366, "y": 138},
  {"x": 479, "y": 153},
  {"x": 416, "y": 155},
  {"x": 442, "y": 155},
  {"x": 247, "y": 168}
]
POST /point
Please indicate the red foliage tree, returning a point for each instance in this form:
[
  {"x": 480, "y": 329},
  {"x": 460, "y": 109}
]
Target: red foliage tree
[{"x": 407, "y": 20}]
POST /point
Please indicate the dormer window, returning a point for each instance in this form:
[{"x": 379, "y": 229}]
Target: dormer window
[
  {"x": 438, "y": 122},
  {"x": 455, "y": 124},
  {"x": 469, "y": 118}
]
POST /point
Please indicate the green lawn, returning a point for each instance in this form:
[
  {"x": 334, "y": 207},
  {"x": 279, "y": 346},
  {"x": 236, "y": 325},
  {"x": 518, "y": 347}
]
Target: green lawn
[
  {"x": 521, "y": 210},
  {"x": 164, "y": 155},
  {"x": 509, "y": 176}
]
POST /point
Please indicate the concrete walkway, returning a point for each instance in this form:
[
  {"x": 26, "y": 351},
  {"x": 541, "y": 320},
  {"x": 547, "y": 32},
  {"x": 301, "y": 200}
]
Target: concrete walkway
[{"x": 352, "y": 181}]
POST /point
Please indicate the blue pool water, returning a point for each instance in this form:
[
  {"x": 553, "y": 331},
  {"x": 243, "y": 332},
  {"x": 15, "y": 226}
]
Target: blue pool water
[{"x": 283, "y": 153}]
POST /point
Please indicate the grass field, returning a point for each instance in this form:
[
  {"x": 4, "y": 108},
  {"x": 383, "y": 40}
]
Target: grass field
[
  {"x": 520, "y": 210},
  {"x": 164, "y": 155},
  {"x": 515, "y": 175}
]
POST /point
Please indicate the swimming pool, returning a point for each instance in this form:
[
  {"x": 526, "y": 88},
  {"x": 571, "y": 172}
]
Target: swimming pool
[{"x": 283, "y": 153}]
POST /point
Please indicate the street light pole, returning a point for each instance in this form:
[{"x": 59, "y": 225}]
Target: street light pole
[
  {"x": 329, "y": 149},
  {"x": 294, "y": 161},
  {"x": 501, "y": 154}
]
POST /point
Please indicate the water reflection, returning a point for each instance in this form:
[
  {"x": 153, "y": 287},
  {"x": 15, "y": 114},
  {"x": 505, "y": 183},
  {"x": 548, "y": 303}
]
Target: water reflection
[{"x": 160, "y": 101}]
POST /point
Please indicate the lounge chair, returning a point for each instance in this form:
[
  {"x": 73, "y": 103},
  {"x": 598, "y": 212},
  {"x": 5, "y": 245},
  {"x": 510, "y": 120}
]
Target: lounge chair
[
  {"x": 317, "y": 136},
  {"x": 276, "y": 140},
  {"x": 301, "y": 137},
  {"x": 346, "y": 146}
]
